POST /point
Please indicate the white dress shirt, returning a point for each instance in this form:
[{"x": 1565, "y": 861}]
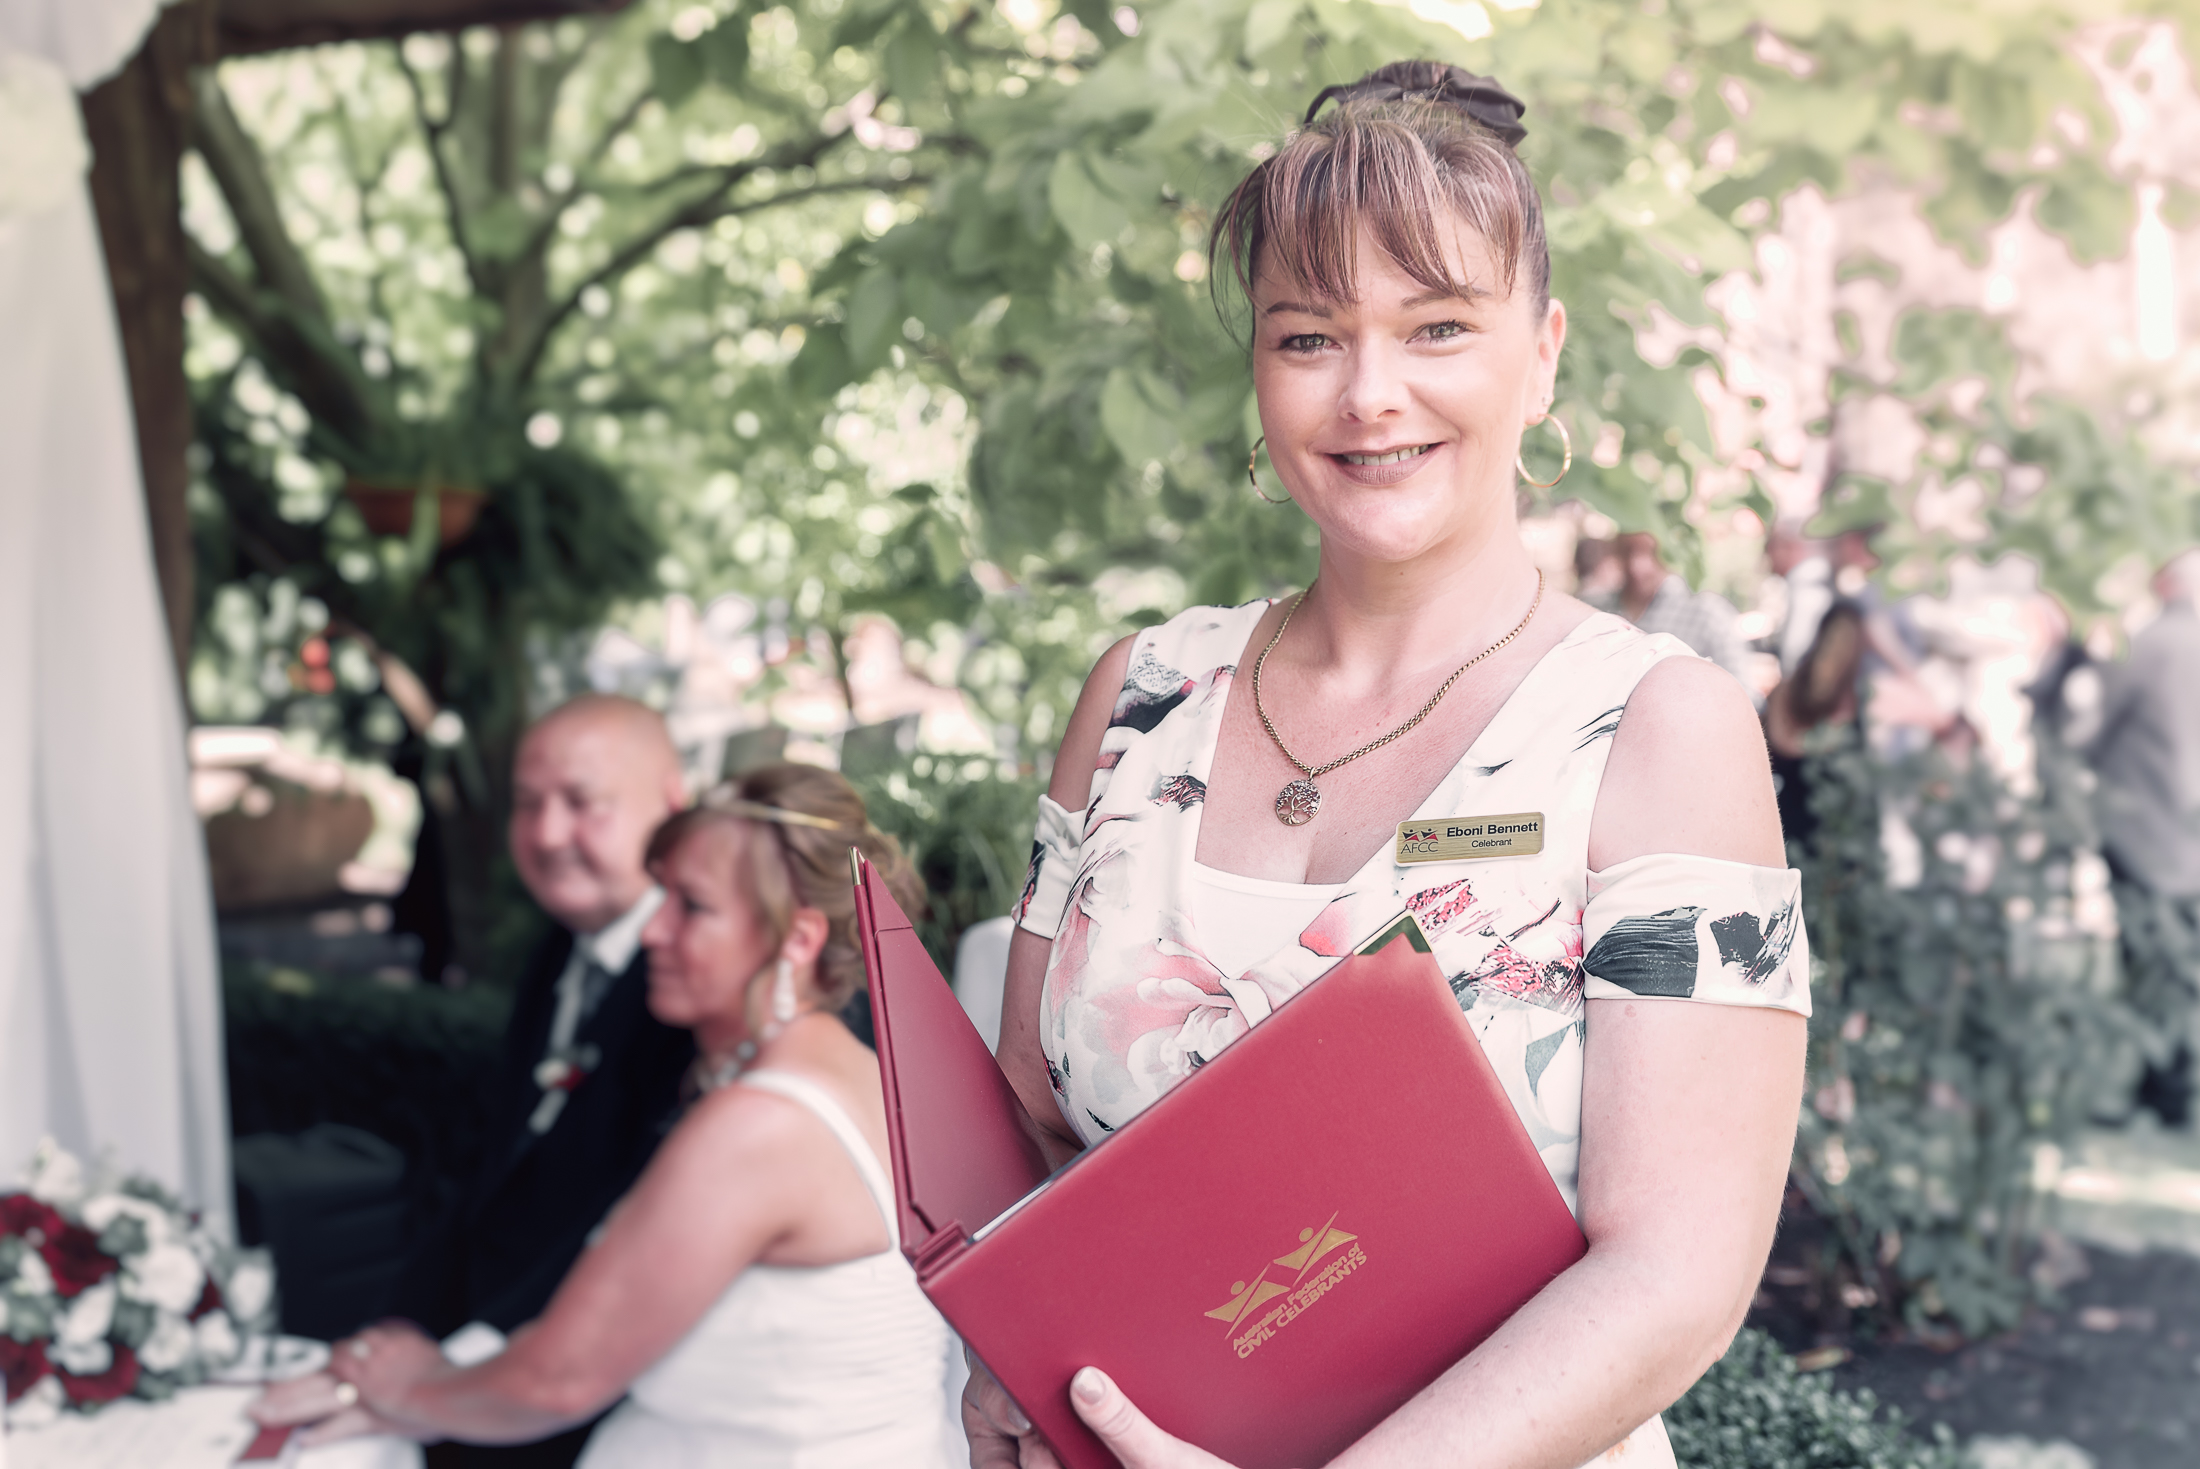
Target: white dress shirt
[{"x": 597, "y": 960}]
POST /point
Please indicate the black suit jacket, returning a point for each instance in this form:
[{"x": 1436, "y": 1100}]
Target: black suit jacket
[{"x": 499, "y": 1254}]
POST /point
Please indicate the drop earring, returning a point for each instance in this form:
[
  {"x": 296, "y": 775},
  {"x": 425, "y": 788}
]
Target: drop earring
[
  {"x": 1252, "y": 460},
  {"x": 1565, "y": 439},
  {"x": 783, "y": 993}
]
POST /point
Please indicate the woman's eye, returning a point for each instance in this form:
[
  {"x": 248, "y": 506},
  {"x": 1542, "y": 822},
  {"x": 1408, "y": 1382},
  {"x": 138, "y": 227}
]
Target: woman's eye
[
  {"x": 1442, "y": 331},
  {"x": 1305, "y": 342}
]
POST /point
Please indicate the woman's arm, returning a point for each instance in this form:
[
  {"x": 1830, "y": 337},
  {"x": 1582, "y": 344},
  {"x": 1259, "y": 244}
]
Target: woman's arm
[
  {"x": 743, "y": 1172},
  {"x": 1688, "y": 1119},
  {"x": 1019, "y": 1051}
]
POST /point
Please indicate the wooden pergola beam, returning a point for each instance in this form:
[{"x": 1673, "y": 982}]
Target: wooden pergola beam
[{"x": 250, "y": 27}]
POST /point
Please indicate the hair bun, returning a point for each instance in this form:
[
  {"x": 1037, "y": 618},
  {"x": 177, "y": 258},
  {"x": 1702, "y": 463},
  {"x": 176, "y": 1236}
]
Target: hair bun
[{"x": 1482, "y": 98}]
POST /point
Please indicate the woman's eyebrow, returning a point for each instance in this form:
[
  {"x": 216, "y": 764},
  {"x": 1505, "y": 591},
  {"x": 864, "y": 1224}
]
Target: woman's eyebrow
[
  {"x": 1282, "y": 307},
  {"x": 1428, "y": 298}
]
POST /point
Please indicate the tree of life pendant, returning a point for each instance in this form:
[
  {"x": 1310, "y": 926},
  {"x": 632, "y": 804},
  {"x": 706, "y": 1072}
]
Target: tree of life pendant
[{"x": 1297, "y": 802}]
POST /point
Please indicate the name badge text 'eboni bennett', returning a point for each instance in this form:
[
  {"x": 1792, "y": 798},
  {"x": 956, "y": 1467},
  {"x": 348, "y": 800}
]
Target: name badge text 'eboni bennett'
[{"x": 1453, "y": 838}]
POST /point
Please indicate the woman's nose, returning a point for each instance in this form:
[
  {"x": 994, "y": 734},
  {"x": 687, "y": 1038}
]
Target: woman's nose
[{"x": 1374, "y": 385}]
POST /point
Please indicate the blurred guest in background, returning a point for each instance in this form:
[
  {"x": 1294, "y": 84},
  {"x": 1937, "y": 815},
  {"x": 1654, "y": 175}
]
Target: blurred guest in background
[
  {"x": 1819, "y": 693},
  {"x": 1597, "y": 574},
  {"x": 748, "y": 1299},
  {"x": 1806, "y": 578},
  {"x": 590, "y": 1080},
  {"x": 1907, "y": 710},
  {"x": 2147, "y": 755},
  {"x": 1657, "y": 599}
]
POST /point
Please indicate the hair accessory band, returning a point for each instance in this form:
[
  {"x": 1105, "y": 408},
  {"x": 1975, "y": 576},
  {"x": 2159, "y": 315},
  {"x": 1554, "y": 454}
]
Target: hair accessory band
[
  {"x": 722, "y": 798},
  {"x": 1482, "y": 98}
]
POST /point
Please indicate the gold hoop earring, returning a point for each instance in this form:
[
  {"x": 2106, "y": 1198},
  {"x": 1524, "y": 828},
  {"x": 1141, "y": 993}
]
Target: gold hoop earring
[
  {"x": 1254, "y": 479},
  {"x": 1565, "y": 464}
]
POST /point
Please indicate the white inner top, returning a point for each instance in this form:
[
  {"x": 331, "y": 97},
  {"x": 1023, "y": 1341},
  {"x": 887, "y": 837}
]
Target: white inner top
[{"x": 1243, "y": 920}]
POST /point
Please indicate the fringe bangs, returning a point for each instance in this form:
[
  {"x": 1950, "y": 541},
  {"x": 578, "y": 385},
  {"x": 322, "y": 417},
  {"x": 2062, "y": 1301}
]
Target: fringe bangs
[{"x": 1407, "y": 173}]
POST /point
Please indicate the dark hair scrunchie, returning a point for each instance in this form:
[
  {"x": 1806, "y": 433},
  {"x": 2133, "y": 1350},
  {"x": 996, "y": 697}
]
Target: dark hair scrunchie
[{"x": 1482, "y": 98}]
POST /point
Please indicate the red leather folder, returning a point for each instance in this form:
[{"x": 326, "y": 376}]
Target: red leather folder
[{"x": 1272, "y": 1258}]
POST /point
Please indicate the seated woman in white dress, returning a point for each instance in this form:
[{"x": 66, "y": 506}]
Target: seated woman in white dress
[{"x": 749, "y": 1298}]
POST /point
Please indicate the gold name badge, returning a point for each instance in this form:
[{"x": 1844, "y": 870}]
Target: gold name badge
[{"x": 1457, "y": 838}]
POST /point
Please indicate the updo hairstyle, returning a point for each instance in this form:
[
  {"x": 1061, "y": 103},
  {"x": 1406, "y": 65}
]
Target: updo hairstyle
[
  {"x": 1409, "y": 149},
  {"x": 790, "y": 865}
]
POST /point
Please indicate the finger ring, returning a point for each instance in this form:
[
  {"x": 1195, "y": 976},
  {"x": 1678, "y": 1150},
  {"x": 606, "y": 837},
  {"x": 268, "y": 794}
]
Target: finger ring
[
  {"x": 346, "y": 1394},
  {"x": 362, "y": 1348}
]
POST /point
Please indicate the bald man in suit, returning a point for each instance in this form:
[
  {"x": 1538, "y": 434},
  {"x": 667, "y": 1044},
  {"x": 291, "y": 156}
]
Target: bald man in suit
[{"x": 590, "y": 1081}]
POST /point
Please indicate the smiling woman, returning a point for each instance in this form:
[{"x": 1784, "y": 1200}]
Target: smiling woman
[{"x": 1402, "y": 338}]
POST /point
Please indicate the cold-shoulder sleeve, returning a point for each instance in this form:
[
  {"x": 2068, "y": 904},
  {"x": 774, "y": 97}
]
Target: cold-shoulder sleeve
[
  {"x": 1671, "y": 926},
  {"x": 1053, "y": 864}
]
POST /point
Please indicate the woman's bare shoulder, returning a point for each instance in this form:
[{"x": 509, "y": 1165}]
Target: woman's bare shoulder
[
  {"x": 1079, "y": 751},
  {"x": 1688, "y": 773},
  {"x": 735, "y": 1125}
]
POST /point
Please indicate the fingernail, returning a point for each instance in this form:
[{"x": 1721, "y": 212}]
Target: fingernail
[{"x": 1089, "y": 1386}]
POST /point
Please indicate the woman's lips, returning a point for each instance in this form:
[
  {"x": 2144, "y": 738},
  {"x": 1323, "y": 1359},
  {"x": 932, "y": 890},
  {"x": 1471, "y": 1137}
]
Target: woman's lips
[{"x": 1385, "y": 468}]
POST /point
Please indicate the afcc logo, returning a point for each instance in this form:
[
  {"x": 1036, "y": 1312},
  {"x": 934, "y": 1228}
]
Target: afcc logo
[{"x": 1288, "y": 1285}]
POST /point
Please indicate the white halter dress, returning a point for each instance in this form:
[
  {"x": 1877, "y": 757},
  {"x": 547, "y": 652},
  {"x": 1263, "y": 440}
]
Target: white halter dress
[
  {"x": 832, "y": 1367},
  {"x": 1159, "y": 962}
]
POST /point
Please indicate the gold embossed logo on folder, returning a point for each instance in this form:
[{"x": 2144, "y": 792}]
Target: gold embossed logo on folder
[
  {"x": 1287, "y": 1286},
  {"x": 1459, "y": 838}
]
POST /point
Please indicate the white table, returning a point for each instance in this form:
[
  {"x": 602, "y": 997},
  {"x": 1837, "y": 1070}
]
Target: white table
[{"x": 203, "y": 1428}]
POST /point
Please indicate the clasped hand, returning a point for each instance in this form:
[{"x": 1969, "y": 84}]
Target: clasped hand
[
  {"x": 1002, "y": 1438},
  {"x": 354, "y": 1395}
]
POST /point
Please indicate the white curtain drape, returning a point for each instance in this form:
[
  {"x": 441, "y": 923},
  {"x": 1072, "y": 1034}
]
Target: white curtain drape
[{"x": 110, "y": 1020}]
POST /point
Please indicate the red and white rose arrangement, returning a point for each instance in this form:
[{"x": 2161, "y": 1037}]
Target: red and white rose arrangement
[{"x": 110, "y": 1288}]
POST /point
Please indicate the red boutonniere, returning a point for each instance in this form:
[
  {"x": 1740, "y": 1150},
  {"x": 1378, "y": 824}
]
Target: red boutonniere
[{"x": 564, "y": 1071}]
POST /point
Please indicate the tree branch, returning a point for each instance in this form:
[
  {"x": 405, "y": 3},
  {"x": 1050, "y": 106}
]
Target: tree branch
[
  {"x": 709, "y": 209},
  {"x": 539, "y": 241},
  {"x": 234, "y": 160},
  {"x": 504, "y": 109},
  {"x": 446, "y": 181},
  {"x": 787, "y": 155},
  {"x": 300, "y": 350}
]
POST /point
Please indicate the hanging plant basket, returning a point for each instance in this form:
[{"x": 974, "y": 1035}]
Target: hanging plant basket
[{"x": 387, "y": 508}]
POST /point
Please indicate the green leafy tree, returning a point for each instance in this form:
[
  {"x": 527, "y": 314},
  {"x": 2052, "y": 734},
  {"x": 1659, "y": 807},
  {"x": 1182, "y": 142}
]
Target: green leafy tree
[{"x": 893, "y": 305}]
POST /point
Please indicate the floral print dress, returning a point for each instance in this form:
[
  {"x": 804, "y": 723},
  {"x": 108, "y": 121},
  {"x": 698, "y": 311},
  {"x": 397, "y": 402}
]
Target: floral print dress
[{"x": 1132, "y": 1005}]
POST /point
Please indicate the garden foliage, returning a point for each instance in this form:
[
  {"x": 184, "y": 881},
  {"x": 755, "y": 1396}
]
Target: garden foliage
[
  {"x": 1753, "y": 1410},
  {"x": 969, "y": 839},
  {"x": 899, "y": 305},
  {"x": 1968, "y": 1015}
]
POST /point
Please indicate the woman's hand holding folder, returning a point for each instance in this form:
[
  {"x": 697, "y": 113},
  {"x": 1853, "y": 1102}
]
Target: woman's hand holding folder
[{"x": 1001, "y": 1438}]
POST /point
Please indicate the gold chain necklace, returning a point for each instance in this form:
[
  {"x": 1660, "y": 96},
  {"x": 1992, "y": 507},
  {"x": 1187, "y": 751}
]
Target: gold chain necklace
[{"x": 1298, "y": 802}]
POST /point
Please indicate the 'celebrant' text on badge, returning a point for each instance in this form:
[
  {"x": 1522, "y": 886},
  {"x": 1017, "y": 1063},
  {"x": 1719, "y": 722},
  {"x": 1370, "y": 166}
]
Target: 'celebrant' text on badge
[{"x": 1453, "y": 838}]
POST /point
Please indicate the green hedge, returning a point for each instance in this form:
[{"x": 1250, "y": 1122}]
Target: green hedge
[
  {"x": 1961, "y": 1020},
  {"x": 1753, "y": 1410},
  {"x": 415, "y": 1067}
]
